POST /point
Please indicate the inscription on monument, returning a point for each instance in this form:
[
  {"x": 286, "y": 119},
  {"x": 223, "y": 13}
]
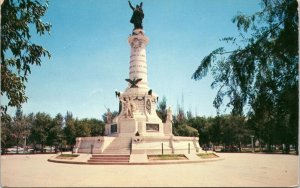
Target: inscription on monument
[
  {"x": 113, "y": 128},
  {"x": 150, "y": 127}
]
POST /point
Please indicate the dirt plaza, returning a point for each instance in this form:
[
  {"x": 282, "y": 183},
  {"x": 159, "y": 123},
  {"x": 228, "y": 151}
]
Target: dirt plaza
[{"x": 258, "y": 170}]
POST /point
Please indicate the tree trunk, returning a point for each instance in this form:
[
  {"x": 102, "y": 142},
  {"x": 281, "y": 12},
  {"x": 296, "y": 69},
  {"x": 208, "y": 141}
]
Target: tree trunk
[{"x": 269, "y": 149}]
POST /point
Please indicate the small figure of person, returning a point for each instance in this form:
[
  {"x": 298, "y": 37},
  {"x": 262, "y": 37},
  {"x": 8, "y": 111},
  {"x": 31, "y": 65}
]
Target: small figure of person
[{"x": 137, "y": 16}]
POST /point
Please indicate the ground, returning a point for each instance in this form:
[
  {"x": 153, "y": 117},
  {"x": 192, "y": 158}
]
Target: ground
[{"x": 258, "y": 170}]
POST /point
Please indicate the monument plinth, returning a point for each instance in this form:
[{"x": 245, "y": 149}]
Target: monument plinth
[{"x": 137, "y": 128}]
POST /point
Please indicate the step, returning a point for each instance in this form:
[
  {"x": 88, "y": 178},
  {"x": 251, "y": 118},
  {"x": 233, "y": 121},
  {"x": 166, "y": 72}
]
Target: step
[
  {"x": 117, "y": 148},
  {"x": 112, "y": 152},
  {"x": 121, "y": 145},
  {"x": 109, "y": 163},
  {"x": 103, "y": 155},
  {"x": 104, "y": 158},
  {"x": 108, "y": 160}
]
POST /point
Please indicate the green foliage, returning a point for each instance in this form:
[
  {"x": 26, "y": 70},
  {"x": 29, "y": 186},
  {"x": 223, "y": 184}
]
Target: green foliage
[
  {"x": 262, "y": 72},
  {"x": 81, "y": 128},
  {"x": 68, "y": 155},
  {"x": 6, "y": 131},
  {"x": 55, "y": 133},
  {"x": 69, "y": 129},
  {"x": 14, "y": 129},
  {"x": 18, "y": 52},
  {"x": 40, "y": 128},
  {"x": 97, "y": 127},
  {"x": 184, "y": 130},
  {"x": 224, "y": 130},
  {"x": 202, "y": 125},
  {"x": 162, "y": 109}
]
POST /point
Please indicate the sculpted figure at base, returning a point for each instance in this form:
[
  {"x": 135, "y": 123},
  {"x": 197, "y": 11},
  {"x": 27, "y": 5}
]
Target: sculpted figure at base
[
  {"x": 169, "y": 116},
  {"x": 137, "y": 16},
  {"x": 108, "y": 116},
  {"x": 129, "y": 107}
]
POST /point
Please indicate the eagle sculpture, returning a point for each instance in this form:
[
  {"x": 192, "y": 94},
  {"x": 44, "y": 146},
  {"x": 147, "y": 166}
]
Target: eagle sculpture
[
  {"x": 117, "y": 93},
  {"x": 133, "y": 82}
]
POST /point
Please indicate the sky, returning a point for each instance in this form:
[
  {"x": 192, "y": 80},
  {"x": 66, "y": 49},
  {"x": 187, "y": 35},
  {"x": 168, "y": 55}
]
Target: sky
[{"x": 90, "y": 53}]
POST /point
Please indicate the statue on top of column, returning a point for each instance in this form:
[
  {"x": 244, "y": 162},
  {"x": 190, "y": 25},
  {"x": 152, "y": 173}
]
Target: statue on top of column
[{"x": 137, "y": 16}]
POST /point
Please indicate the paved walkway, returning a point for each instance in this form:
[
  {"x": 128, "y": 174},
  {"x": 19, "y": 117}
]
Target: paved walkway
[{"x": 235, "y": 170}]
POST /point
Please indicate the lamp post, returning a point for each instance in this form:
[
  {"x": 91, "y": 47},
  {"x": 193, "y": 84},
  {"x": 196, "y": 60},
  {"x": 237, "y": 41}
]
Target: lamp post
[{"x": 252, "y": 144}]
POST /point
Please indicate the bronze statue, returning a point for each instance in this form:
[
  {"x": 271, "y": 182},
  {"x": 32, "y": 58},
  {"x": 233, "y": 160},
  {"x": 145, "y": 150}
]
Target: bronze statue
[{"x": 137, "y": 16}]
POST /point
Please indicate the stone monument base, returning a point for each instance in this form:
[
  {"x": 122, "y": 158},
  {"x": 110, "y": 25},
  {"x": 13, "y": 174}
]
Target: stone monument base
[{"x": 138, "y": 145}]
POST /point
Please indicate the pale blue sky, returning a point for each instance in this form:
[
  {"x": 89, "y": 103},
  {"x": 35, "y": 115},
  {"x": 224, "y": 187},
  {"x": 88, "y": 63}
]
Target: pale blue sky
[{"x": 90, "y": 53}]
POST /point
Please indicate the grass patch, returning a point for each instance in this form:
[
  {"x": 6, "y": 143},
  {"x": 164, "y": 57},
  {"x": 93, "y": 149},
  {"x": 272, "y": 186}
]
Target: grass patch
[
  {"x": 167, "y": 157},
  {"x": 67, "y": 156},
  {"x": 207, "y": 155}
]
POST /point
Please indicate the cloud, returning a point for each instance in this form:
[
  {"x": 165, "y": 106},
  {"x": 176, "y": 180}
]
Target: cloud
[{"x": 95, "y": 92}]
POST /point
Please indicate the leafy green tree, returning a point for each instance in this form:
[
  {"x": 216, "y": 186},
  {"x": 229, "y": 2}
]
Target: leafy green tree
[
  {"x": 97, "y": 127},
  {"x": 55, "y": 133},
  {"x": 262, "y": 72},
  {"x": 232, "y": 130},
  {"x": 6, "y": 132},
  {"x": 40, "y": 129},
  {"x": 82, "y": 128},
  {"x": 180, "y": 118},
  {"x": 69, "y": 129},
  {"x": 20, "y": 127},
  {"x": 19, "y": 19},
  {"x": 201, "y": 125},
  {"x": 162, "y": 109},
  {"x": 186, "y": 130},
  {"x": 189, "y": 115}
]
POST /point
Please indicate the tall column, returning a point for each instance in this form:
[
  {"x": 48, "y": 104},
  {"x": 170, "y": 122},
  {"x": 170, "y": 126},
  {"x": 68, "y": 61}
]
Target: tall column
[{"x": 138, "y": 62}]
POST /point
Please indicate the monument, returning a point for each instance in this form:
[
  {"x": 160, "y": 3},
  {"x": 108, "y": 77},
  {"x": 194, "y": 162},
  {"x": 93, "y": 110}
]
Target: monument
[{"x": 137, "y": 129}]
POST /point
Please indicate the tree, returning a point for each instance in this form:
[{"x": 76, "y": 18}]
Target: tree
[
  {"x": 18, "y": 52},
  {"x": 82, "y": 128},
  {"x": 162, "y": 109},
  {"x": 262, "y": 72},
  {"x": 97, "y": 126},
  {"x": 183, "y": 126},
  {"x": 69, "y": 129},
  {"x": 189, "y": 115},
  {"x": 201, "y": 125},
  {"x": 6, "y": 132},
  {"x": 40, "y": 129},
  {"x": 55, "y": 133},
  {"x": 20, "y": 127}
]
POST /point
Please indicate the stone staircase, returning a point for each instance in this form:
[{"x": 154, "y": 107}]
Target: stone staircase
[
  {"x": 120, "y": 145},
  {"x": 109, "y": 159},
  {"x": 118, "y": 152}
]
